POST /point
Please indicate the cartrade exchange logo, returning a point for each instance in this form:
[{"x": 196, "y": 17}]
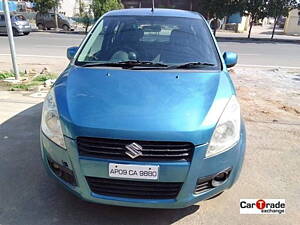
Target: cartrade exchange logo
[{"x": 262, "y": 206}]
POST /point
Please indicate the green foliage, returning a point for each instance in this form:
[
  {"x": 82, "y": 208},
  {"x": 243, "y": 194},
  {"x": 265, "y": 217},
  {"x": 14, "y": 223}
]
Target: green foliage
[
  {"x": 44, "y": 77},
  {"x": 100, "y": 7},
  {"x": 219, "y": 8},
  {"x": 24, "y": 86},
  {"x": 85, "y": 12},
  {"x": 277, "y": 8},
  {"x": 4, "y": 75},
  {"x": 256, "y": 9},
  {"x": 43, "y": 6}
]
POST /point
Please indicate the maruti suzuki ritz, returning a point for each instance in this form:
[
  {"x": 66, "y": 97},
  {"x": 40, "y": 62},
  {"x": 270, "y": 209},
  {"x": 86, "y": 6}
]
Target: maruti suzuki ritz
[{"x": 146, "y": 114}]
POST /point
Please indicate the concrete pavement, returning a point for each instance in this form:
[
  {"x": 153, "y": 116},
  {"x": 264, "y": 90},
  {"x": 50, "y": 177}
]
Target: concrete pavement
[{"x": 263, "y": 33}]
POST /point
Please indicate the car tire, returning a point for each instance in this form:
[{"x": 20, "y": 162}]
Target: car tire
[
  {"x": 65, "y": 27},
  {"x": 41, "y": 26},
  {"x": 26, "y": 33},
  {"x": 15, "y": 32}
]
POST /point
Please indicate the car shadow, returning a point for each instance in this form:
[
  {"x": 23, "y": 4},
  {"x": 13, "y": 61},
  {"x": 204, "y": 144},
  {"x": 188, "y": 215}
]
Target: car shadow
[{"x": 29, "y": 196}]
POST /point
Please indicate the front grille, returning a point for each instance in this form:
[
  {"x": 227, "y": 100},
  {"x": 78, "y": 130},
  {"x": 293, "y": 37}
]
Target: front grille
[
  {"x": 134, "y": 189},
  {"x": 152, "y": 150}
]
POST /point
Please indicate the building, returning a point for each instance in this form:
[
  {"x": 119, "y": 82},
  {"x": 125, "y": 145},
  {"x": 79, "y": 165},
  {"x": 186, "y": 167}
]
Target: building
[
  {"x": 292, "y": 24},
  {"x": 175, "y": 4},
  {"x": 71, "y": 7}
]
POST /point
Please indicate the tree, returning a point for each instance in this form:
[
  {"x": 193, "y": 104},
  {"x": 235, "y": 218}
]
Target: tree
[
  {"x": 84, "y": 13},
  {"x": 218, "y": 9},
  {"x": 257, "y": 10},
  {"x": 43, "y": 6},
  {"x": 100, "y": 7},
  {"x": 277, "y": 8}
]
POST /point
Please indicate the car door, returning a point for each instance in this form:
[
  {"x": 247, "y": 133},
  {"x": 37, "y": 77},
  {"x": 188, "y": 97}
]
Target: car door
[
  {"x": 51, "y": 21},
  {"x": 2, "y": 24}
]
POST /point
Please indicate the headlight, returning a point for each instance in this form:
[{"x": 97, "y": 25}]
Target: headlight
[
  {"x": 50, "y": 121},
  {"x": 18, "y": 23},
  {"x": 227, "y": 131}
]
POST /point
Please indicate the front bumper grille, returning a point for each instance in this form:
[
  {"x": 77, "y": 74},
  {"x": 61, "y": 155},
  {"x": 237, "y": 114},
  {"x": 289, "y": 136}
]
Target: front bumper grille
[
  {"x": 152, "y": 150},
  {"x": 134, "y": 189}
]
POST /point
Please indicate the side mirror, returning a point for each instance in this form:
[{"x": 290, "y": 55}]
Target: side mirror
[
  {"x": 230, "y": 59},
  {"x": 71, "y": 52}
]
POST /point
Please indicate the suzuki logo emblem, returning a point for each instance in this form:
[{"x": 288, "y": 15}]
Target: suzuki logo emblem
[{"x": 134, "y": 150}]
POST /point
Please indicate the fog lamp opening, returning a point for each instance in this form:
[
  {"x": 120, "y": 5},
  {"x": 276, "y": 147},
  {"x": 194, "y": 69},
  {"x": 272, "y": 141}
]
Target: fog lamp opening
[{"x": 220, "y": 178}]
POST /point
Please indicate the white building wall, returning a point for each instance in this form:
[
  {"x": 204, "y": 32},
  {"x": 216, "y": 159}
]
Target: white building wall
[
  {"x": 292, "y": 24},
  {"x": 71, "y": 7}
]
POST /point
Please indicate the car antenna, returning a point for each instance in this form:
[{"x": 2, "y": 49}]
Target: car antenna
[{"x": 152, "y": 10}]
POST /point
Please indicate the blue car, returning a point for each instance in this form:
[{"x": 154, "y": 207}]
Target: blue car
[{"x": 146, "y": 114}]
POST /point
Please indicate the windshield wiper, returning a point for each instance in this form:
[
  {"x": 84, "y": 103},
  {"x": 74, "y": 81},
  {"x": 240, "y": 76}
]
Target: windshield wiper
[
  {"x": 190, "y": 65},
  {"x": 126, "y": 64}
]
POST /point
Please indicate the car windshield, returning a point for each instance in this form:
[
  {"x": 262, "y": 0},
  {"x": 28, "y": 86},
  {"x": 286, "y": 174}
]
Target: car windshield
[
  {"x": 156, "y": 40},
  {"x": 62, "y": 16},
  {"x": 20, "y": 18}
]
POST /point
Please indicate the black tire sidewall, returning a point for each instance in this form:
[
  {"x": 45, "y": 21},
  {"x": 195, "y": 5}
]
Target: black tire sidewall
[
  {"x": 65, "y": 27},
  {"x": 15, "y": 31}
]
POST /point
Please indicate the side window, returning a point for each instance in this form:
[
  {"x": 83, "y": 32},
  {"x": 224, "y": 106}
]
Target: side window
[
  {"x": 1, "y": 18},
  {"x": 94, "y": 45}
]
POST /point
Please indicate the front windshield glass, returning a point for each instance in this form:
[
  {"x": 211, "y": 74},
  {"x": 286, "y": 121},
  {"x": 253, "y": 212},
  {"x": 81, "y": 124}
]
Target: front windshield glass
[
  {"x": 20, "y": 18},
  {"x": 165, "y": 40}
]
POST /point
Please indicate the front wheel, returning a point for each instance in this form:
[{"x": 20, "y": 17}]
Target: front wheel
[
  {"x": 26, "y": 33},
  {"x": 41, "y": 26},
  {"x": 15, "y": 32},
  {"x": 65, "y": 27}
]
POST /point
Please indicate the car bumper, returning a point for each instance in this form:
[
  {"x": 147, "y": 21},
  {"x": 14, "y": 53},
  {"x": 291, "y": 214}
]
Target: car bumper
[
  {"x": 187, "y": 173},
  {"x": 24, "y": 29}
]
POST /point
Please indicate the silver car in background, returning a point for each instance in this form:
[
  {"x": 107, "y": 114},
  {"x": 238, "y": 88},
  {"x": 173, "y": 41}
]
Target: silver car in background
[{"x": 20, "y": 25}]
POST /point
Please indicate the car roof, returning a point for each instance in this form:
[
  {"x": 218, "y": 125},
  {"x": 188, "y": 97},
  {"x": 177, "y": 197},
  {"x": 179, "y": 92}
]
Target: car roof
[{"x": 156, "y": 12}]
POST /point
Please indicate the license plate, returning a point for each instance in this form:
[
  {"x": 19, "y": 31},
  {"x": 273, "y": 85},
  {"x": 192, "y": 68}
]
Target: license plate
[{"x": 133, "y": 171}]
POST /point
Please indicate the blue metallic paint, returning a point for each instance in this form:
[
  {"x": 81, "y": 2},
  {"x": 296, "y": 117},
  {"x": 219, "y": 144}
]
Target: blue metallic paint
[
  {"x": 230, "y": 59},
  {"x": 155, "y": 106},
  {"x": 200, "y": 167}
]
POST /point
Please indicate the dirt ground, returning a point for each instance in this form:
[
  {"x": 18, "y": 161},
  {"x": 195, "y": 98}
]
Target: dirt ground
[{"x": 268, "y": 95}]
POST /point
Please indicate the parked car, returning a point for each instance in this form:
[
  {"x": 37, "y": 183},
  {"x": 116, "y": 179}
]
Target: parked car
[
  {"x": 281, "y": 22},
  {"x": 47, "y": 21},
  {"x": 146, "y": 114},
  {"x": 20, "y": 25}
]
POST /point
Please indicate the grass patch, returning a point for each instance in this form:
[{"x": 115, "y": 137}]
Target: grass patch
[
  {"x": 44, "y": 77},
  {"x": 28, "y": 84},
  {"x": 24, "y": 86},
  {"x": 4, "y": 75}
]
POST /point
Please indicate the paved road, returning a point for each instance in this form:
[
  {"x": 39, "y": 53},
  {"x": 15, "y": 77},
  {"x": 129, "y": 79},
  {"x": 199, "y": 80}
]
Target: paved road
[{"x": 38, "y": 46}]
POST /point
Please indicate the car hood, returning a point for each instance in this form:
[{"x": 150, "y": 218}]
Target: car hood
[{"x": 141, "y": 105}]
